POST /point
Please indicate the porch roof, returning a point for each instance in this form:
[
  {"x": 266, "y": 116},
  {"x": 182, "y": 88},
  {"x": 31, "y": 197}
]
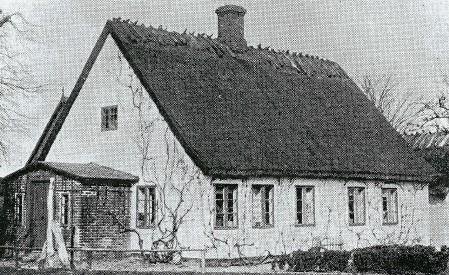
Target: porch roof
[{"x": 78, "y": 171}]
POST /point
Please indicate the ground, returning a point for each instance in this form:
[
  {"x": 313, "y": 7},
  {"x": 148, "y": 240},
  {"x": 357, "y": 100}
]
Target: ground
[{"x": 12, "y": 271}]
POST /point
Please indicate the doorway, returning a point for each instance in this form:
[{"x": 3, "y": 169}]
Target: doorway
[{"x": 38, "y": 222}]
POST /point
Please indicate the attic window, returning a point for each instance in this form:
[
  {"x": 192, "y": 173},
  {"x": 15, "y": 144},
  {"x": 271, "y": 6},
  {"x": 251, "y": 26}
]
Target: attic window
[{"x": 109, "y": 118}]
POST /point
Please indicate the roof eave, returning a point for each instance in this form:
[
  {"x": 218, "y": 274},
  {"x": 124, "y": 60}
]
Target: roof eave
[
  {"x": 35, "y": 166},
  {"x": 234, "y": 174}
]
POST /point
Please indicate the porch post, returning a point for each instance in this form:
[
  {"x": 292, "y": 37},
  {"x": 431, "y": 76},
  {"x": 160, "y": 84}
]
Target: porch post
[{"x": 51, "y": 187}]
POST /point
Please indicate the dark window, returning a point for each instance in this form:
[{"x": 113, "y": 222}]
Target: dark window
[
  {"x": 109, "y": 118},
  {"x": 390, "y": 205},
  {"x": 356, "y": 204},
  {"x": 64, "y": 216},
  {"x": 305, "y": 205},
  {"x": 18, "y": 208},
  {"x": 226, "y": 206},
  {"x": 146, "y": 207},
  {"x": 262, "y": 205}
]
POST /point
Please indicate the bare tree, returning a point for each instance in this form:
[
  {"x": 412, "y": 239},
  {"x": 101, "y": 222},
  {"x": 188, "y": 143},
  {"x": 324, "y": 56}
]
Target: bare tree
[
  {"x": 400, "y": 111},
  {"x": 16, "y": 80},
  {"x": 433, "y": 116}
]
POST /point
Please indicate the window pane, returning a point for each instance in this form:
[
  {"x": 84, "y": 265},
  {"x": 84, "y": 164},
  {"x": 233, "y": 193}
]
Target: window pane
[
  {"x": 225, "y": 205},
  {"x": 299, "y": 205},
  {"x": 18, "y": 208},
  {"x": 356, "y": 205},
  {"x": 389, "y": 205},
  {"x": 257, "y": 206},
  {"x": 305, "y": 205},
  {"x": 64, "y": 209},
  {"x": 146, "y": 206}
]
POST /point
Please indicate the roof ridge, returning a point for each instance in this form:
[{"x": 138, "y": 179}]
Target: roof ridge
[{"x": 313, "y": 65}]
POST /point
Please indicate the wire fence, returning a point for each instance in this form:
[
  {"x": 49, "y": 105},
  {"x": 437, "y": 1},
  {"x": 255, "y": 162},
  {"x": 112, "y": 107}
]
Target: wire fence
[{"x": 111, "y": 259}]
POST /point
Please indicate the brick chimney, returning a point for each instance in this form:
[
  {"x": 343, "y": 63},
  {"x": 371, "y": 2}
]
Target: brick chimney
[{"x": 231, "y": 26}]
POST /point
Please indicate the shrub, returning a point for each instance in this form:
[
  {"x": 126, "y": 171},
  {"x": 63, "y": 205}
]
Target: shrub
[
  {"x": 398, "y": 259},
  {"x": 315, "y": 260}
]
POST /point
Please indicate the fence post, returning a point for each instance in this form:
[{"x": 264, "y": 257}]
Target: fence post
[{"x": 203, "y": 261}]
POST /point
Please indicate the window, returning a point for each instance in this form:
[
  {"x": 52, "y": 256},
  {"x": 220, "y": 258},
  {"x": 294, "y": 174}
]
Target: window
[
  {"x": 18, "y": 208},
  {"x": 305, "y": 205},
  {"x": 64, "y": 209},
  {"x": 262, "y": 205},
  {"x": 356, "y": 203},
  {"x": 109, "y": 118},
  {"x": 146, "y": 207},
  {"x": 226, "y": 206},
  {"x": 390, "y": 205}
]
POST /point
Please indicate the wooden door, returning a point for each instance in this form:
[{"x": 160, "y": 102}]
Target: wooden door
[{"x": 38, "y": 224}]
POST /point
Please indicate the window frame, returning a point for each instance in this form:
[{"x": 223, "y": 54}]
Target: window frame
[
  {"x": 304, "y": 187},
  {"x": 396, "y": 205},
  {"x": 153, "y": 214},
  {"x": 16, "y": 205},
  {"x": 354, "y": 207},
  {"x": 106, "y": 118},
  {"x": 263, "y": 212},
  {"x": 235, "y": 213},
  {"x": 62, "y": 195}
]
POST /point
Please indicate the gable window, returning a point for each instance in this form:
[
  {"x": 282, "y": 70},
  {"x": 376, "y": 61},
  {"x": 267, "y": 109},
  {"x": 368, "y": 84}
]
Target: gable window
[
  {"x": 262, "y": 205},
  {"x": 64, "y": 209},
  {"x": 18, "y": 208},
  {"x": 305, "y": 205},
  {"x": 356, "y": 204},
  {"x": 226, "y": 206},
  {"x": 109, "y": 118},
  {"x": 146, "y": 207},
  {"x": 390, "y": 205}
]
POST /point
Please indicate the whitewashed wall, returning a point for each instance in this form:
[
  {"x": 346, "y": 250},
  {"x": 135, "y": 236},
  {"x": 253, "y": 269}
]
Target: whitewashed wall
[
  {"x": 439, "y": 221},
  {"x": 81, "y": 140},
  {"x": 331, "y": 218}
]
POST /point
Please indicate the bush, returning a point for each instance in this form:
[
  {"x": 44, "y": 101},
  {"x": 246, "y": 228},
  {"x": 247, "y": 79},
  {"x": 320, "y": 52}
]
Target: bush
[
  {"x": 315, "y": 260},
  {"x": 398, "y": 259}
]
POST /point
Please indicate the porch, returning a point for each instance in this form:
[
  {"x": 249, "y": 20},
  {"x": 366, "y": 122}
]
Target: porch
[{"x": 90, "y": 203}]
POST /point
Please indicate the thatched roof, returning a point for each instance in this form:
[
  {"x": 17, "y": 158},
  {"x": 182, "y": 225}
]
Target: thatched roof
[{"x": 259, "y": 112}]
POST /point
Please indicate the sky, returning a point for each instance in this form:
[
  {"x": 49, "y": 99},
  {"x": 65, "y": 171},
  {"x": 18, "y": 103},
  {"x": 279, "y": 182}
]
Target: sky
[{"x": 409, "y": 39}]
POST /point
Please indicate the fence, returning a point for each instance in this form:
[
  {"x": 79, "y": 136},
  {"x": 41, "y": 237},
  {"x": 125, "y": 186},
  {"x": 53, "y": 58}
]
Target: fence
[{"x": 90, "y": 254}]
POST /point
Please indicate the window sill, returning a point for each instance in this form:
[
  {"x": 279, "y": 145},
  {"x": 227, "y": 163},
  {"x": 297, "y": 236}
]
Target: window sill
[
  {"x": 304, "y": 225},
  {"x": 263, "y": 226},
  {"x": 390, "y": 223},
  {"x": 225, "y": 228},
  {"x": 357, "y": 224},
  {"x": 108, "y": 129}
]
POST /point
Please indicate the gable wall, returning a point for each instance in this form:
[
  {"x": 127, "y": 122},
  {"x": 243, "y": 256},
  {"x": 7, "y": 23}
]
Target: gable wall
[{"x": 81, "y": 139}]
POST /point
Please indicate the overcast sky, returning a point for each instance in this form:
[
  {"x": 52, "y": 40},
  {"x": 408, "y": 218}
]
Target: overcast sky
[{"x": 407, "y": 38}]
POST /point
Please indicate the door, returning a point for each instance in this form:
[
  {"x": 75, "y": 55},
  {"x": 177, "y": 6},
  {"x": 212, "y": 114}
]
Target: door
[{"x": 38, "y": 224}]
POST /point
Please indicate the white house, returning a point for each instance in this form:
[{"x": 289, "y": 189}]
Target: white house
[{"x": 200, "y": 142}]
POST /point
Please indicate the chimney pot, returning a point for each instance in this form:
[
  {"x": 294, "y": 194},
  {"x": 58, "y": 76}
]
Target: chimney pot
[{"x": 231, "y": 26}]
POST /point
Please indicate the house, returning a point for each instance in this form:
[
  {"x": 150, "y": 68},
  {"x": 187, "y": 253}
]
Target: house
[
  {"x": 434, "y": 148},
  {"x": 181, "y": 140}
]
